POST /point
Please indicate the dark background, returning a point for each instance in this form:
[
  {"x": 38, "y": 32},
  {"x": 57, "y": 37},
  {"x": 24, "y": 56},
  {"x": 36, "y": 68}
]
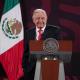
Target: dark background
[{"x": 63, "y": 13}]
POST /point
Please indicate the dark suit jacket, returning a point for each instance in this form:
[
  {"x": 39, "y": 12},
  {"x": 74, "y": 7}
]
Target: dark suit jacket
[{"x": 28, "y": 62}]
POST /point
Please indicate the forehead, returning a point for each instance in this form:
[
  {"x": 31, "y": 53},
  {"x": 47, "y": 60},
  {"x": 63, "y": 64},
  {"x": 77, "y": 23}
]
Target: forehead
[{"x": 40, "y": 13}]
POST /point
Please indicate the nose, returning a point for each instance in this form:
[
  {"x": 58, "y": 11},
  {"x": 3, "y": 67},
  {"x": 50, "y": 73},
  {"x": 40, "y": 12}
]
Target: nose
[{"x": 40, "y": 19}]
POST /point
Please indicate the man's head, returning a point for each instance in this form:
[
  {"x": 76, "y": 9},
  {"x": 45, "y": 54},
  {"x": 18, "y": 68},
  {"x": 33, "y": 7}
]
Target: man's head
[{"x": 39, "y": 18}]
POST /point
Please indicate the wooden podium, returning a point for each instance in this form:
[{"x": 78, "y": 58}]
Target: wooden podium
[{"x": 48, "y": 69}]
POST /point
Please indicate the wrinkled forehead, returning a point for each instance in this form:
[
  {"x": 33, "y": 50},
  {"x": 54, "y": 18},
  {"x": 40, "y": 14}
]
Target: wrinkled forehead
[{"x": 40, "y": 11}]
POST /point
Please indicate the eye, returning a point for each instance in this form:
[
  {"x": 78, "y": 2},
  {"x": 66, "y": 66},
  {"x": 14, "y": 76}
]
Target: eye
[{"x": 37, "y": 18}]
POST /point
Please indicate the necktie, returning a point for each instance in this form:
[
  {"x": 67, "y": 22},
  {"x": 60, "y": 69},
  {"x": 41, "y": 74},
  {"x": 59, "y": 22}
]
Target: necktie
[{"x": 40, "y": 34}]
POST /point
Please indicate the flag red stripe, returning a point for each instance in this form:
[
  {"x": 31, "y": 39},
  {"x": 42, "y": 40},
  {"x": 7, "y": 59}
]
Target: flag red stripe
[{"x": 12, "y": 60}]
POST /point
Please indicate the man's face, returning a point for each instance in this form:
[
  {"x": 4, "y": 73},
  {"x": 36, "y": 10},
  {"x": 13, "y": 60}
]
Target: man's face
[{"x": 40, "y": 19}]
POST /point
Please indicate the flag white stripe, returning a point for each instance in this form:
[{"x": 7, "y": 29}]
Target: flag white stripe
[{"x": 5, "y": 42}]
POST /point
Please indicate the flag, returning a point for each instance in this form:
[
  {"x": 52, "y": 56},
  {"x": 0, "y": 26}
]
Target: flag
[{"x": 11, "y": 39}]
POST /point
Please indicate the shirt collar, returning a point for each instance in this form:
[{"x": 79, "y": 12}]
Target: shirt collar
[{"x": 37, "y": 29}]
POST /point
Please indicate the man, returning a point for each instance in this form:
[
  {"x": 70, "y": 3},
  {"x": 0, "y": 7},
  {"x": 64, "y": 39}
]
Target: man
[{"x": 40, "y": 31}]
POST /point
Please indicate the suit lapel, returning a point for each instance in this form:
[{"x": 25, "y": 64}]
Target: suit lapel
[{"x": 44, "y": 33}]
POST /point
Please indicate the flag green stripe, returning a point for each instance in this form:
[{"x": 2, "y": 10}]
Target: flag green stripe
[{"x": 9, "y": 4}]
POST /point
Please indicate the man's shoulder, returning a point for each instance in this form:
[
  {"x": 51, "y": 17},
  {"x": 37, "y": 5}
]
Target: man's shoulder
[{"x": 52, "y": 27}]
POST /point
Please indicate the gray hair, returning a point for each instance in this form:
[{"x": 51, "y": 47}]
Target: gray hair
[{"x": 39, "y": 10}]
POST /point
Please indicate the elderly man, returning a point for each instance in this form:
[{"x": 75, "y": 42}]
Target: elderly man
[{"x": 40, "y": 31}]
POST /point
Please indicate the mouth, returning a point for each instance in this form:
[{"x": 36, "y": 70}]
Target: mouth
[{"x": 40, "y": 25}]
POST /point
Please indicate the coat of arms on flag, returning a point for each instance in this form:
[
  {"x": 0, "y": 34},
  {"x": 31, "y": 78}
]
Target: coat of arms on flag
[{"x": 11, "y": 27}]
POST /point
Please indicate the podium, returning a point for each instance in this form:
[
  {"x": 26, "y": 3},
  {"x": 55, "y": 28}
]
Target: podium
[{"x": 48, "y": 67}]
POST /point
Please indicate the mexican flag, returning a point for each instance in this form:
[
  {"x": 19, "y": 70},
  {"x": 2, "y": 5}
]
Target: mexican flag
[{"x": 11, "y": 39}]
